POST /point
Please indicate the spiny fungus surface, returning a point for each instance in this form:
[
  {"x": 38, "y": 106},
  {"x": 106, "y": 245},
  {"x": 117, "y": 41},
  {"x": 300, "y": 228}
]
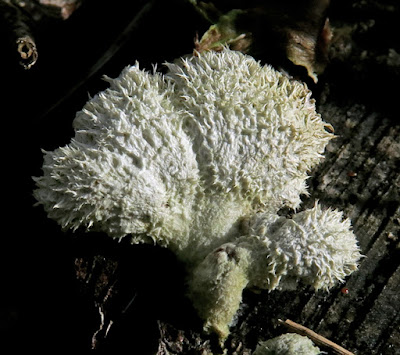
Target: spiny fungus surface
[
  {"x": 200, "y": 160},
  {"x": 287, "y": 344}
]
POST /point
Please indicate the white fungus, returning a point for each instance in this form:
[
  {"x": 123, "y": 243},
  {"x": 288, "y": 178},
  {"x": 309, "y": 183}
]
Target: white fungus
[
  {"x": 287, "y": 344},
  {"x": 200, "y": 160}
]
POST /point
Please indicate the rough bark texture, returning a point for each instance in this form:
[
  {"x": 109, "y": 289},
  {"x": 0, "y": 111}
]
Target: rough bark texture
[{"x": 74, "y": 292}]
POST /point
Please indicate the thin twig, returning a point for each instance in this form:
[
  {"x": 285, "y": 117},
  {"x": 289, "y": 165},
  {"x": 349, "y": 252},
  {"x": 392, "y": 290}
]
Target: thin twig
[{"x": 316, "y": 338}]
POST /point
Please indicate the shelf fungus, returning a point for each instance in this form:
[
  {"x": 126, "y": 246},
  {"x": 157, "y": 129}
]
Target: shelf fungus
[{"x": 200, "y": 160}]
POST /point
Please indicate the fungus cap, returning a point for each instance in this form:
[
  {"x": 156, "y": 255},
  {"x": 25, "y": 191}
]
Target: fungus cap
[{"x": 159, "y": 155}]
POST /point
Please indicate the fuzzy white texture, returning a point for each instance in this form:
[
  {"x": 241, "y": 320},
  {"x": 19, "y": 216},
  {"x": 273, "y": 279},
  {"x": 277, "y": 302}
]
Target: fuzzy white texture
[
  {"x": 287, "y": 344},
  {"x": 188, "y": 160},
  {"x": 316, "y": 247}
]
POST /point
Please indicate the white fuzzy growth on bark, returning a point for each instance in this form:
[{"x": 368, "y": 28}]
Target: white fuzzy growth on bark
[
  {"x": 185, "y": 160},
  {"x": 287, "y": 344},
  {"x": 217, "y": 137}
]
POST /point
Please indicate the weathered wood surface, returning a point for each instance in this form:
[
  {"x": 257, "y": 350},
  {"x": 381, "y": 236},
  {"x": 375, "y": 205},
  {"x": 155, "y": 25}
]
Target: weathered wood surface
[{"x": 45, "y": 305}]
